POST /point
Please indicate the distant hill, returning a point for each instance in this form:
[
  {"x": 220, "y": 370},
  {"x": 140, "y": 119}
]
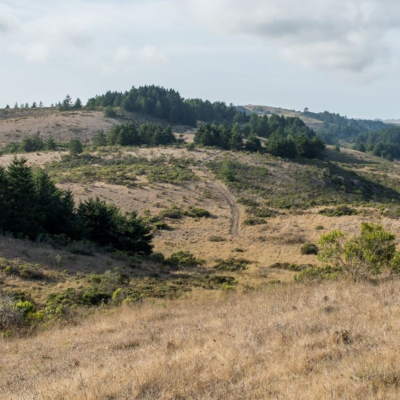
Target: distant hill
[{"x": 266, "y": 110}]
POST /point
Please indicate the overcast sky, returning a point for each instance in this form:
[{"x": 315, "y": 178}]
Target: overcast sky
[{"x": 336, "y": 55}]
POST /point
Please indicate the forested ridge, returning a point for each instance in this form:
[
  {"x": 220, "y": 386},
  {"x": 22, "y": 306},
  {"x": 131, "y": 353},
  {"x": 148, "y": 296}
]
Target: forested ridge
[{"x": 168, "y": 104}]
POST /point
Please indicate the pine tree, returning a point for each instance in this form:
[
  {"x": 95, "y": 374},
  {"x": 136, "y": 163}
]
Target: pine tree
[
  {"x": 34, "y": 105},
  {"x": 78, "y": 104},
  {"x": 21, "y": 199},
  {"x": 75, "y": 147}
]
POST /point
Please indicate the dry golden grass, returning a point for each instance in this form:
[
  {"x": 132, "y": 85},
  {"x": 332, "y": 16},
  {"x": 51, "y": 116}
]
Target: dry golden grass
[{"x": 331, "y": 341}]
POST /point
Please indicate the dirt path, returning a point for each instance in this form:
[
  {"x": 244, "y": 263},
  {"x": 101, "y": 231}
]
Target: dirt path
[{"x": 225, "y": 192}]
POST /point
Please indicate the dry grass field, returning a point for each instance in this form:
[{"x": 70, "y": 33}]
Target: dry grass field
[
  {"x": 330, "y": 341},
  {"x": 203, "y": 331}
]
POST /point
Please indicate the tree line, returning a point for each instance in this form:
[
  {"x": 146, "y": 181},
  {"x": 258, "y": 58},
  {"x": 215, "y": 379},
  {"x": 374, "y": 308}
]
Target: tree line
[
  {"x": 169, "y": 105},
  {"x": 385, "y": 143},
  {"x": 129, "y": 135},
  {"x": 32, "y": 205},
  {"x": 286, "y": 137}
]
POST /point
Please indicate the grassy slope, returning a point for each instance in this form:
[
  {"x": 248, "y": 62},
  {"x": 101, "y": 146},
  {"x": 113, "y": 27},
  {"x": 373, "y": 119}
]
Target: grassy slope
[
  {"x": 331, "y": 341},
  {"x": 276, "y": 342}
]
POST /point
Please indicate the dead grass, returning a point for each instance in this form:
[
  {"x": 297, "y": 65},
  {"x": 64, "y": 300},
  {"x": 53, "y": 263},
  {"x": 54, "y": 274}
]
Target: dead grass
[{"x": 333, "y": 341}]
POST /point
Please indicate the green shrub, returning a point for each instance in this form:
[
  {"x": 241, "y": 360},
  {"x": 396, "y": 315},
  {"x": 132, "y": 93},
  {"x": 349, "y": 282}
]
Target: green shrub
[
  {"x": 109, "y": 112},
  {"x": 318, "y": 274},
  {"x": 309, "y": 249},
  {"x": 290, "y": 267},
  {"x": 252, "y": 221},
  {"x": 197, "y": 213},
  {"x": 216, "y": 239},
  {"x": 232, "y": 264},
  {"x": 338, "y": 211},
  {"x": 183, "y": 259},
  {"x": 361, "y": 257},
  {"x": 173, "y": 212},
  {"x": 319, "y": 228}
]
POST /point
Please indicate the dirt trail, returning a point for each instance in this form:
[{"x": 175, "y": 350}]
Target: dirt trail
[{"x": 225, "y": 192}]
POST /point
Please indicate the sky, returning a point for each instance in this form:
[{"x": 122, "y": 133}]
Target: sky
[{"x": 337, "y": 55}]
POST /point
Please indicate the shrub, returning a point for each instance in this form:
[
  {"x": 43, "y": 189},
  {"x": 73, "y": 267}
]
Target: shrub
[
  {"x": 290, "y": 267},
  {"x": 183, "y": 259},
  {"x": 11, "y": 318},
  {"x": 363, "y": 256},
  {"x": 319, "y": 228},
  {"x": 232, "y": 264},
  {"x": 339, "y": 211},
  {"x": 75, "y": 147},
  {"x": 318, "y": 274},
  {"x": 197, "y": 213},
  {"x": 109, "y": 112},
  {"x": 252, "y": 221},
  {"x": 172, "y": 213},
  {"x": 309, "y": 249},
  {"x": 216, "y": 239}
]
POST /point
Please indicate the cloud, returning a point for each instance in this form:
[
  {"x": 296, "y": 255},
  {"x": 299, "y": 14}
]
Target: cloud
[
  {"x": 82, "y": 30},
  {"x": 340, "y": 36},
  {"x": 147, "y": 55},
  {"x": 7, "y": 21}
]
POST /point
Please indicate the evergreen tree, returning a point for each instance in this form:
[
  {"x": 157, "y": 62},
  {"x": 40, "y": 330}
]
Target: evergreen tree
[
  {"x": 20, "y": 199},
  {"x": 16, "y": 106},
  {"x": 78, "y": 104},
  {"x": 34, "y": 105},
  {"x": 66, "y": 104},
  {"x": 7, "y": 107},
  {"x": 100, "y": 139},
  {"x": 50, "y": 144},
  {"x": 75, "y": 147}
]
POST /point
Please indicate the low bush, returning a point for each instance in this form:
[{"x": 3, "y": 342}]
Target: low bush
[
  {"x": 183, "y": 259},
  {"x": 338, "y": 211},
  {"x": 253, "y": 221},
  {"x": 232, "y": 264},
  {"x": 11, "y": 318},
  {"x": 290, "y": 267},
  {"x": 309, "y": 249},
  {"x": 216, "y": 239},
  {"x": 318, "y": 274}
]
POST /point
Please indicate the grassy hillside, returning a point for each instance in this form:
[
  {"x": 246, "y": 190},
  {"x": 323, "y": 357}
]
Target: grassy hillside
[
  {"x": 215, "y": 311},
  {"x": 327, "y": 341}
]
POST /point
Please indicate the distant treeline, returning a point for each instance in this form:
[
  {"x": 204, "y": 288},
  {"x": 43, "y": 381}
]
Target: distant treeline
[
  {"x": 169, "y": 105},
  {"x": 385, "y": 143},
  {"x": 31, "y": 205},
  {"x": 337, "y": 127},
  {"x": 287, "y": 137}
]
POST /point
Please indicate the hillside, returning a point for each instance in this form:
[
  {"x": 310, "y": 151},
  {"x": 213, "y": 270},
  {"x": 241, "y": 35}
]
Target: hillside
[
  {"x": 262, "y": 110},
  {"x": 16, "y": 124},
  {"x": 233, "y": 270},
  {"x": 327, "y": 341}
]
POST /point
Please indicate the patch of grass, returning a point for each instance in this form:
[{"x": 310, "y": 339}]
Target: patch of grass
[
  {"x": 302, "y": 184},
  {"x": 22, "y": 270},
  {"x": 121, "y": 170}
]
